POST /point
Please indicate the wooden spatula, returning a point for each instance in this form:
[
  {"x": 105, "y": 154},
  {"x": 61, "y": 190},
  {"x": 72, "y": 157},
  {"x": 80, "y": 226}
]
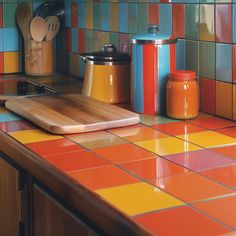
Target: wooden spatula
[
  {"x": 38, "y": 28},
  {"x": 53, "y": 25}
]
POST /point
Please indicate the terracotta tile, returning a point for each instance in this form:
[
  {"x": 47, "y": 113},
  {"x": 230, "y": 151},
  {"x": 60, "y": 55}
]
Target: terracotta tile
[
  {"x": 17, "y": 125},
  {"x": 138, "y": 198},
  {"x": 178, "y": 128},
  {"x": 234, "y": 63},
  {"x": 200, "y": 160},
  {"x": 212, "y": 123},
  {"x": 167, "y": 146},
  {"x": 234, "y": 101},
  {"x": 139, "y": 133},
  {"x": 178, "y": 20},
  {"x": 81, "y": 45},
  {"x": 190, "y": 187},
  {"x": 222, "y": 209},
  {"x": 224, "y": 175},
  {"x": 209, "y": 139},
  {"x": 123, "y": 153},
  {"x": 103, "y": 177},
  {"x": 154, "y": 168},
  {"x": 54, "y": 147},
  {"x": 76, "y": 160},
  {"x": 153, "y": 13},
  {"x": 228, "y": 131},
  {"x": 74, "y": 14},
  {"x": 229, "y": 151},
  {"x": 182, "y": 220}
]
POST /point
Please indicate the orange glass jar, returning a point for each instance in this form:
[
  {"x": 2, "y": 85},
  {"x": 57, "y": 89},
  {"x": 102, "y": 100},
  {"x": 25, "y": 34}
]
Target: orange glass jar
[{"x": 182, "y": 95}]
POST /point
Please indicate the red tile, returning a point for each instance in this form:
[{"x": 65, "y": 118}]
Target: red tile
[
  {"x": 223, "y": 23},
  {"x": 228, "y": 131},
  {"x": 74, "y": 14},
  {"x": 81, "y": 40},
  {"x": 178, "y": 128},
  {"x": 208, "y": 95},
  {"x": 124, "y": 153},
  {"x": 54, "y": 147},
  {"x": 200, "y": 160},
  {"x": 1, "y": 16},
  {"x": 68, "y": 39},
  {"x": 229, "y": 151},
  {"x": 224, "y": 175},
  {"x": 102, "y": 177},
  {"x": 1, "y": 62},
  {"x": 178, "y": 20},
  {"x": 222, "y": 209},
  {"x": 17, "y": 125},
  {"x": 212, "y": 123},
  {"x": 153, "y": 14},
  {"x": 181, "y": 221},
  {"x": 1, "y": 88},
  {"x": 153, "y": 168},
  {"x": 234, "y": 63},
  {"x": 76, "y": 160}
]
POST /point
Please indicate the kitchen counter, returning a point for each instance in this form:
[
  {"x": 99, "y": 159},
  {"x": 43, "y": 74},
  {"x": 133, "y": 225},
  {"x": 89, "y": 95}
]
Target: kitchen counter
[{"x": 160, "y": 177}]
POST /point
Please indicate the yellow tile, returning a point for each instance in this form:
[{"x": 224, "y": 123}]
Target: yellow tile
[
  {"x": 234, "y": 102},
  {"x": 97, "y": 40},
  {"x": 89, "y": 14},
  {"x": 105, "y": 38},
  {"x": 207, "y": 22},
  {"x": 74, "y": 69},
  {"x": 209, "y": 139},
  {"x": 167, "y": 146},
  {"x": 114, "y": 18},
  {"x": 138, "y": 198},
  {"x": 34, "y": 135},
  {"x": 11, "y": 62}
]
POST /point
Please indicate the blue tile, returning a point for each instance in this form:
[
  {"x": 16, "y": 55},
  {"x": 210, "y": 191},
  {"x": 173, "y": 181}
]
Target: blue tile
[
  {"x": 74, "y": 39},
  {"x": 180, "y": 52},
  {"x": 1, "y": 40},
  {"x": 165, "y": 19},
  {"x": 123, "y": 17},
  {"x": 224, "y": 62},
  {"x": 105, "y": 16},
  {"x": 81, "y": 15},
  {"x": 234, "y": 23},
  {"x": 9, "y": 117},
  {"x": 67, "y": 14},
  {"x": 10, "y": 39}
]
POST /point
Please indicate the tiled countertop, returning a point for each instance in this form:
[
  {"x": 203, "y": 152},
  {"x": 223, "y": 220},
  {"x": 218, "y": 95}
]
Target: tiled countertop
[{"x": 172, "y": 177}]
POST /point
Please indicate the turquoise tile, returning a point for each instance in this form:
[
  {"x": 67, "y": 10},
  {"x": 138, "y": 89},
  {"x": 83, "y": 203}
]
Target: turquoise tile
[
  {"x": 224, "y": 62},
  {"x": 9, "y": 117},
  {"x": 191, "y": 55},
  {"x": 97, "y": 15},
  {"x": 142, "y": 17},
  {"x": 207, "y": 1},
  {"x": 180, "y": 54},
  {"x": 74, "y": 40},
  {"x": 234, "y": 22},
  {"x": 81, "y": 15},
  {"x": 9, "y": 10},
  {"x": 81, "y": 68},
  {"x": 105, "y": 16},
  {"x": 1, "y": 40},
  {"x": 192, "y": 1},
  {"x": 132, "y": 18},
  {"x": 67, "y": 14},
  {"x": 123, "y": 17},
  {"x": 10, "y": 39},
  {"x": 165, "y": 11},
  {"x": 192, "y": 21},
  {"x": 114, "y": 38},
  {"x": 207, "y": 54}
]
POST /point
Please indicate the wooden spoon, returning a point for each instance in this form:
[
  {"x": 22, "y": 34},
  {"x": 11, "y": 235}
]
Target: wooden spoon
[
  {"x": 53, "y": 25},
  {"x": 38, "y": 28},
  {"x": 24, "y": 16}
]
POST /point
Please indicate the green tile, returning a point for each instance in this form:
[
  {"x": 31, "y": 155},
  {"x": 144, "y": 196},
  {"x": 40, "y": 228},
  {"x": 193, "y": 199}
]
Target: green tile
[
  {"x": 142, "y": 17},
  {"x": 192, "y": 21},
  {"x": 114, "y": 38},
  {"x": 132, "y": 17},
  {"x": 97, "y": 15},
  {"x": 89, "y": 40},
  {"x": 207, "y": 54},
  {"x": 9, "y": 10}
]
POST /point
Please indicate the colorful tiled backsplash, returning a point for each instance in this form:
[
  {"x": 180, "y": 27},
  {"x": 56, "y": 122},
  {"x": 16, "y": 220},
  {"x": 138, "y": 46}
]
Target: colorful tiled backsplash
[{"x": 206, "y": 30}]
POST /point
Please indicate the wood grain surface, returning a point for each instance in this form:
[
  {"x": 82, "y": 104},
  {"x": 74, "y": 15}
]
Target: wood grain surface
[{"x": 71, "y": 113}]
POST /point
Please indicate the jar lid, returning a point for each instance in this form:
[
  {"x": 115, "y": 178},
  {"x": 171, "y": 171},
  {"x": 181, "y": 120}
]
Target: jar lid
[
  {"x": 153, "y": 37},
  {"x": 183, "y": 74},
  {"x": 108, "y": 53}
]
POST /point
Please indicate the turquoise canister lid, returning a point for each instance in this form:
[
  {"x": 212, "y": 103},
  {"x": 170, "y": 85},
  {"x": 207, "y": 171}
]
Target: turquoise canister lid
[{"x": 153, "y": 37}]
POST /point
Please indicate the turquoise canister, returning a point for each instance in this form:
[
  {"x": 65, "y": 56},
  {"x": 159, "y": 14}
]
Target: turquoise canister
[{"x": 153, "y": 57}]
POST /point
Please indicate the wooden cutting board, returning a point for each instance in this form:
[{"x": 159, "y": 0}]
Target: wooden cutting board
[{"x": 71, "y": 113}]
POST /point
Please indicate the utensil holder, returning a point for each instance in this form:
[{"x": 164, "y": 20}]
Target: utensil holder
[{"x": 38, "y": 58}]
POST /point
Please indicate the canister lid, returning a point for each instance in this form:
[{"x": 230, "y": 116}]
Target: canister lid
[
  {"x": 108, "y": 54},
  {"x": 183, "y": 74},
  {"x": 153, "y": 37}
]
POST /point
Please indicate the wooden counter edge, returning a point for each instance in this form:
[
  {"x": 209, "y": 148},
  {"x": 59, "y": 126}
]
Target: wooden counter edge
[{"x": 88, "y": 203}]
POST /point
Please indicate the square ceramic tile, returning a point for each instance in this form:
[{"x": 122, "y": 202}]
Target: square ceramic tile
[
  {"x": 234, "y": 102},
  {"x": 138, "y": 198},
  {"x": 123, "y": 17},
  {"x": 81, "y": 15},
  {"x": 32, "y": 136},
  {"x": 209, "y": 139},
  {"x": 16, "y": 125},
  {"x": 10, "y": 39},
  {"x": 154, "y": 168},
  {"x": 11, "y": 62},
  {"x": 114, "y": 20},
  {"x": 74, "y": 14},
  {"x": 89, "y": 14},
  {"x": 165, "y": 16},
  {"x": 214, "y": 209},
  {"x": 234, "y": 22},
  {"x": 153, "y": 13},
  {"x": 76, "y": 160},
  {"x": 167, "y": 146},
  {"x": 9, "y": 9},
  {"x": 229, "y": 151},
  {"x": 142, "y": 21},
  {"x": 5, "y": 117},
  {"x": 3, "y": 110},
  {"x": 190, "y": 187},
  {"x": 178, "y": 20},
  {"x": 123, "y": 153},
  {"x": 102, "y": 177},
  {"x": 97, "y": 15},
  {"x": 223, "y": 175},
  {"x": 182, "y": 220},
  {"x": 132, "y": 17},
  {"x": 228, "y": 131},
  {"x": 178, "y": 128},
  {"x": 192, "y": 55},
  {"x": 200, "y": 160},
  {"x": 192, "y": 21},
  {"x": 152, "y": 119}
]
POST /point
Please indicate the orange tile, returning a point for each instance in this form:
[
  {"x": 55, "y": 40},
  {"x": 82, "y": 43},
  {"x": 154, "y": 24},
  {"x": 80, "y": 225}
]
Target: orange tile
[
  {"x": 11, "y": 62},
  {"x": 178, "y": 128},
  {"x": 123, "y": 153},
  {"x": 76, "y": 160},
  {"x": 212, "y": 123},
  {"x": 222, "y": 209},
  {"x": 224, "y": 175},
  {"x": 54, "y": 147},
  {"x": 234, "y": 100},
  {"x": 229, "y": 151},
  {"x": 224, "y": 99},
  {"x": 190, "y": 187},
  {"x": 103, "y": 177},
  {"x": 137, "y": 134},
  {"x": 228, "y": 131},
  {"x": 114, "y": 11},
  {"x": 182, "y": 220},
  {"x": 154, "y": 168}
]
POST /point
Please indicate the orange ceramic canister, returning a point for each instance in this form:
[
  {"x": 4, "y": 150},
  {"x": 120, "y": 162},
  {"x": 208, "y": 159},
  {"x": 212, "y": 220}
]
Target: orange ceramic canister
[{"x": 182, "y": 95}]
